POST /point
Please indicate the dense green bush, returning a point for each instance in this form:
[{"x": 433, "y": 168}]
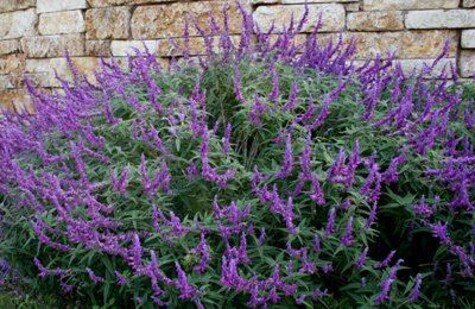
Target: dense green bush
[{"x": 267, "y": 174}]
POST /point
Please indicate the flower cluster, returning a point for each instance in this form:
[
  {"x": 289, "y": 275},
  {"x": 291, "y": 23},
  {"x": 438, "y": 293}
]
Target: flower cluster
[{"x": 272, "y": 172}]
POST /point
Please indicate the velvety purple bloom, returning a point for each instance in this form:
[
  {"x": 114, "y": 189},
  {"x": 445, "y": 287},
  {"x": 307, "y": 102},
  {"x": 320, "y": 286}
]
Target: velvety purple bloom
[
  {"x": 120, "y": 278},
  {"x": 330, "y": 227},
  {"x": 439, "y": 230},
  {"x": 203, "y": 252},
  {"x": 423, "y": 209},
  {"x": 94, "y": 278},
  {"x": 372, "y": 216},
  {"x": 275, "y": 92},
  {"x": 386, "y": 261},
  {"x": 416, "y": 290},
  {"x": 361, "y": 260},
  {"x": 287, "y": 165},
  {"x": 386, "y": 284},
  {"x": 348, "y": 238},
  {"x": 317, "y": 195},
  {"x": 187, "y": 290}
]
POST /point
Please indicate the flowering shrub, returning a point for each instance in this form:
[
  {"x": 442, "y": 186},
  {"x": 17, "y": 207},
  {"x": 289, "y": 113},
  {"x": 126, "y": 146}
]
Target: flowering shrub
[{"x": 268, "y": 173}]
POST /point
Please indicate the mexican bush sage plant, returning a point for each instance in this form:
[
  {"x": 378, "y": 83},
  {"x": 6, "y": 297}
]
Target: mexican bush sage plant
[{"x": 272, "y": 172}]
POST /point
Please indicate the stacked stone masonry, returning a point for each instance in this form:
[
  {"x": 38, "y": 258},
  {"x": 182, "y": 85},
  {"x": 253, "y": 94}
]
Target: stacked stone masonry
[{"x": 35, "y": 33}]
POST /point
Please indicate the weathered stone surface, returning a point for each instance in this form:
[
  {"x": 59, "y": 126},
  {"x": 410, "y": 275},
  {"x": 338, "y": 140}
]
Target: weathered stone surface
[
  {"x": 416, "y": 65},
  {"x": 45, "y": 68},
  {"x": 197, "y": 46},
  {"x": 333, "y": 16},
  {"x": 467, "y": 63},
  {"x": 408, "y": 45},
  {"x": 468, "y": 38},
  {"x": 315, "y": 1},
  {"x": 9, "y": 47},
  {"x": 13, "y": 5},
  {"x": 123, "y": 62},
  {"x": 45, "y": 6},
  {"x": 123, "y": 48},
  {"x": 108, "y": 23},
  {"x": 352, "y": 7},
  {"x": 375, "y": 21},
  {"x": 98, "y": 48},
  {"x": 6, "y": 82},
  {"x": 53, "y": 45},
  {"x": 469, "y": 3},
  {"x": 105, "y": 3},
  {"x": 265, "y": 1},
  {"x": 437, "y": 19},
  {"x": 17, "y": 24},
  {"x": 16, "y": 100},
  {"x": 161, "y": 21},
  {"x": 377, "y": 5},
  {"x": 61, "y": 22},
  {"x": 12, "y": 64}
]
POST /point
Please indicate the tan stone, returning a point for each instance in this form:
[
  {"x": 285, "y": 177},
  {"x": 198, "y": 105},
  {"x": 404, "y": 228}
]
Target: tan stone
[
  {"x": 45, "y": 68},
  {"x": 61, "y": 22},
  {"x": 333, "y": 16},
  {"x": 408, "y": 45},
  {"x": 12, "y": 64},
  {"x": 315, "y": 1},
  {"x": 6, "y": 82},
  {"x": 197, "y": 46},
  {"x": 53, "y": 45},
  {"x": 14, "y": 5},
  {"x": 98, "y": 48},
  {"x": 416, "y": 65},
  {"x": 124, "y": 48},
  {"x": 105, "y": 3},
  {"x": 16, "y": 101},
  {"x": 352, "y": 7},
  {"x": 17, "y": 24},
  {"x": 469, "y": 3},
  {"x": 467, "y": 63},
  {"x": 45, "y": 6},
  {"x": 9, "y": 47},
  {"x": 161, "y": 21},
  {"x": 108, "y": 23},
  {"x": 468, "y": 38},
  {"x": 375, "y": 21},
  {"x": 382, "y": 5},
  {"x": 437, "y": 19},
  {"x": 265, "y": 1}
]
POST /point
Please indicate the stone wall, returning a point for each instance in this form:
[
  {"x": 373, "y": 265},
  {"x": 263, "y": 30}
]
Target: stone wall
[{"x": 35, "y": 33}]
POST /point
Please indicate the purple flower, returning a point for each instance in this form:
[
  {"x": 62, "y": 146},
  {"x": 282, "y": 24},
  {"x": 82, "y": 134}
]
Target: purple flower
[
  {"x": 275, "y": 92},
  {"x": 293, "y": 97},
  {"x": 203, "y": 251},
  {"x": 423, "y": 209},
  {"x": 440, "y": 232},
  {"x": 386, "y": 284},
  {"x": 347, "y": 238},
  {"x": 416, "y": 290},
  {"x": 286, "y": 168},
  {"x": 120, "y": 184},
  {"x": 386, "y": 261},
  {"x": 330, "y": 227},
  {"x": 372, "y": 216},
  {"x": 317, "y": 195},
  {"x": 94, "y": 278},
  {"x": 187, "y": 290},
  {"x": 361, "y": 260},
  {"x": 120, "y": 278}
]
